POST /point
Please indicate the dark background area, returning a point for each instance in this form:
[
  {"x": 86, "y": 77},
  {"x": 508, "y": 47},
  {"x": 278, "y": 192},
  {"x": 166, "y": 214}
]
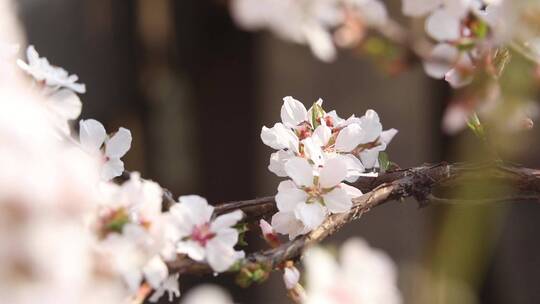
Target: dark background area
[{"x": 195, "y": 90}]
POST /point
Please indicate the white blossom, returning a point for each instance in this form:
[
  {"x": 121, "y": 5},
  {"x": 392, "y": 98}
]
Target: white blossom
[
  {"x": 304, "y": 201},
  {"x": 202, "y": 238},
  {"x": 363, "y": 276},
  {"x": 42, "y": 71},
  {"x": 93, "y": 136}
]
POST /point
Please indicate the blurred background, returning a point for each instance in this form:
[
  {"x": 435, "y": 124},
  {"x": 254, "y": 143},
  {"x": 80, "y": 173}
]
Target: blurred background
[{"x": 195, "y": 91}]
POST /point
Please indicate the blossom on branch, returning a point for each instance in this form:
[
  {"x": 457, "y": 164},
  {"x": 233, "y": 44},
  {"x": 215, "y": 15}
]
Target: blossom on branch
[
  {"x": 93, "y": 136},
  {"x": 319, "y": 151},
  {"x": 203, "y": 238}
]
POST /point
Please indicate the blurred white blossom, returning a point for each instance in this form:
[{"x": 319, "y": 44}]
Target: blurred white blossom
[{"x": 363, "y": 276}]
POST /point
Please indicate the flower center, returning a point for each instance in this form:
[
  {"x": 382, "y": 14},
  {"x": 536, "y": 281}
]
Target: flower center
[{"x": 202, "y": 234}]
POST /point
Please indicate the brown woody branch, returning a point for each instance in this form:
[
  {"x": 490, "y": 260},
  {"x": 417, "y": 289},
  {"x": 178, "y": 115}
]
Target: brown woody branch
[{"x": 421, "y": 183}]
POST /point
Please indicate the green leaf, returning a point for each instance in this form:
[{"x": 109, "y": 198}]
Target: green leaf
[
  {"x": 476, "y": 126},
  {"x": 384, "y": 161},
  {"x": 317, "y": 113},
  {"x": 242, "y": 228},
  {"x": 480, "y": 29}
]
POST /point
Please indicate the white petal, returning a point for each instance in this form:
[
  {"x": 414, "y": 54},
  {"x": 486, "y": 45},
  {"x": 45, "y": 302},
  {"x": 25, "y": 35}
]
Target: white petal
[
  {"x": 293, "y": 112},
  {"x": 279, "y": 137},
  {"x": 320, "y": 41},
  {"x": 313, "y": 151},
  {"x": 300, "y": 171},
  {"x": 333, "y": 173},
  {"x": 155, "y": 272},
  {"x": 351, "y": 191},
  {"x": 458, "y": 8},
  {"x": 456, "y": 79},
  {"x": 417, "y": 8},
  {"x": 193, "y": 249},
  {"x": 291, "y": 276},
  {"x": 227, "y": 236},
  {"x": 287, "y": 223},
  {"x": 66, "y": 104},
  {"x": 355, "y": 168},
  {"x": 220, "y": 256},
  {"x": 322, "y": 135},
  {"x": 112, "y": 168},
  {"x": 277, "y": 162},
  {"x": 337, "y": 201},
  {"x": 226, "y": 220},
  {"x": 119, "y": 144},
  {"x": 443, "y": 26},
  {"x": 348, "y": 138},
  {"x": 371, "y": 127},
  {"x": 289, "y": 196},
  {"x": 312, "y": 214},
  {"x": 369, "y": 158},
  {"x": 197, "y": 208},
  {"x": 388, "y": 135},
  {"x": 441, "y": 60},
  {"x": 374, "y": 13},
  {"x": 92, "y": 135}
]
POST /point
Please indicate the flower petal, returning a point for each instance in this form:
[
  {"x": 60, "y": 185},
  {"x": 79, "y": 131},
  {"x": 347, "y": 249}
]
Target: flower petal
[
  {"x": 279, "y": 137},
  {"x": 119, "y": 144},
  {"x": 312, "y": 215},
  {"x": 197, "y": 208},
  {"x": 277, "y": 162},
  {"x": 300, "y": 171},
  {"x": 66, "y": 104},
  {"x": 289, "y": 196},
  {"x": 226, "y": 220},
  {"x": 440, "y": 60},
  {"x": 443, "y": 26},
  {"x": 92, "y": 135},
  {"x": 220, "y": 256},
  {"x": 287, "y": 223},
  {"x": 111, "y": 169},
  {"x": 333, "y": 173},
  {"x": 293, "y": 112},
  {"x": 193, "y": 249},
  {"x": 155, "y": 272},
  {"x": 348, "y": 138},
  {"x": 337, "y": 201}
]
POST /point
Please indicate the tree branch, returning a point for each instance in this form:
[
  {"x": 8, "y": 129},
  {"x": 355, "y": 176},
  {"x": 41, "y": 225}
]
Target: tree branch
[{"x": 419, "y": 183}]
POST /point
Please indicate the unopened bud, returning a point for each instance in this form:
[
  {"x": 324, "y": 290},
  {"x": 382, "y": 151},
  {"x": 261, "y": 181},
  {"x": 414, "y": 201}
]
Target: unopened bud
[
  {"x": 291, "y": 276},
  {"x": 269, "y": 234}
]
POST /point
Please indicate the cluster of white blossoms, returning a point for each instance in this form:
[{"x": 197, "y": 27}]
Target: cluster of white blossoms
[
  {"x": 318, "y": 23},
  {"x": 319, "y": 152},
  {"x": 116, "y": 240},
  {"x": 466, "y": 31}
]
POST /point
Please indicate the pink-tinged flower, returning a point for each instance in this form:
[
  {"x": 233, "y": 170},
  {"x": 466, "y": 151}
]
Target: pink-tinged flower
[
  {"x": 93, "y": 136},
  {"x": 42, "y": 71},
  {"x": 363, "y": 276},
  {"x": 203, "y": 238},
  {"x": 291, "y": 276},
  {"x": 306, "y": 200}
]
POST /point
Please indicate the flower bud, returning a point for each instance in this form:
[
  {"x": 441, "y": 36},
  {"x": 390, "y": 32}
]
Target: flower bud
[{"x": 269, "y": 234}]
